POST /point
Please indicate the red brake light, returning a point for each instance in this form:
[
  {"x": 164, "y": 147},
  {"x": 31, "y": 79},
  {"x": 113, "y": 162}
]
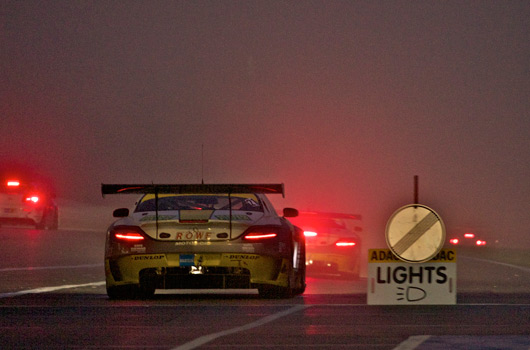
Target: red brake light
[
  {"x": 126, "y": 233},
  {"x": 310, "y": 233},
  {"x": 33, "y": 199},
  {"x": 131, "y": 236},
  {"x": 345, "y": 243},
  {"x": 454, "y": 241},
  {"x": 259, "y": 233},
  {"x": 469, "y": 235},
  {"x": 13, "y": 183},
  {"x": 480, "y": 242}
]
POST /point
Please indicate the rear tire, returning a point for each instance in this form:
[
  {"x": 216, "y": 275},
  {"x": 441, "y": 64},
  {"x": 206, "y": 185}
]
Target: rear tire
[
  {"x": 300, "y": 272},
  {"x": 267, "y": 291},
  {"x": 49, "y": 221},
  {"x": 42, "y": 224},
  {"x": 54, "y": 222},
  {"x": 123, "y": 292}
]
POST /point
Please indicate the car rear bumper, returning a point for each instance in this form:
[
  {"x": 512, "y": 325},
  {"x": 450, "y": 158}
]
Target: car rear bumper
[
  {"x": 20, "y": 217},
  {"x": 17, "y": 221},
  {"x": 333, "y": 263},
  {"x": 198, "y": 270}
]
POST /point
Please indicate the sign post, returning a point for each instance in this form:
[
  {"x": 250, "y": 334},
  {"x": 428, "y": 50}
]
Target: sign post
[{"x": 415, "y": 269}]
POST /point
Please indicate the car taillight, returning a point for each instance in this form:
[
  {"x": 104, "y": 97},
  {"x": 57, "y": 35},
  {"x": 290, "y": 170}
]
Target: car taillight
[
  {"x": 32, "y": 199},
  {"x": 469, "y": 235},
  {"x": 454, "y": 241},
  {"x": 310, "y": 233},
  {"x": 260, "y": 233},
  {"x": 480, "y": 242},
  {"x": 127, "y": 234},
  {"x": 13, "y": 183},
  {"x": 345, "y": 243}
]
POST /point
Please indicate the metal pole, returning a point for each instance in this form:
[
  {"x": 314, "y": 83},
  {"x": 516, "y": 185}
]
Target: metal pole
[{"x": 416, "y": 201}]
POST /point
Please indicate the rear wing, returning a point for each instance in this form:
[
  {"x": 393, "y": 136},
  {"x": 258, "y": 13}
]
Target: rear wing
[
  {"x": 192, "y": 188},
  {"x": 309, "y": 214}
]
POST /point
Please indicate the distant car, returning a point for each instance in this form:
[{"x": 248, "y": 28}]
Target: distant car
[
  {"x": 203, "y": 236},
  {"x": 333, "y": 242},
  {"x": 467, "y": 239},
  {"x": 29, "y": 203}
]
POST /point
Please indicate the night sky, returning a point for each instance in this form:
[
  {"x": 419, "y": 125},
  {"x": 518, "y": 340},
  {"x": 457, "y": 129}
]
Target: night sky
[{"x": 342, "y": 101}]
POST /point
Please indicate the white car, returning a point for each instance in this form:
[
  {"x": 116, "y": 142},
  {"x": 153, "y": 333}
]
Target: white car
[
  {"x": 28, "y": 203},
  {"x": 203, "y": 236}
]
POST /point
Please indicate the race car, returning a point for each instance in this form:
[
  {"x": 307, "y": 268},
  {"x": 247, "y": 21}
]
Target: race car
[
  {"x": 29, "y": 203},
  {"x": 225, "y": 236},
  {"x": 332, "y": 241}
]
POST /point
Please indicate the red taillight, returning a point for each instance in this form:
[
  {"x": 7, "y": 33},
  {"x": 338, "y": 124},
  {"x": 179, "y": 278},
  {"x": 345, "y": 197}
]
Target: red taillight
[
  {"x": 32, "y": 199},
  {"x": 454, "y": 241},
  {"x": 13, "y": 183},
  {"x": 260, "y": 235},
  {"x": 127, "y": 234},
  {"x": 310, "y": 233},
  {"x": 469, "y": 235},
  {"x": 131, "y": 236},
  {"x": 480, "y": 242},
  {"x": 345, "y": 243}
]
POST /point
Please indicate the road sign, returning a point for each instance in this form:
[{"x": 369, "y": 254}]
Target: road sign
[
  {"x": 415, "y": 233},
  {"x": 394, "y": 282}
]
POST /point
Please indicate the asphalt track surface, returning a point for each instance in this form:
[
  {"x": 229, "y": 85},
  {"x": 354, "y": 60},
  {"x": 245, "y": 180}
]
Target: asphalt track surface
[{"x": 52, "y": 296}]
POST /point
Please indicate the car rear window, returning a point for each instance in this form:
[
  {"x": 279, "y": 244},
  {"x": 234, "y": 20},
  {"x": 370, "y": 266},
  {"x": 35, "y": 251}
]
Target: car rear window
[{"x": 199, "y": 202}]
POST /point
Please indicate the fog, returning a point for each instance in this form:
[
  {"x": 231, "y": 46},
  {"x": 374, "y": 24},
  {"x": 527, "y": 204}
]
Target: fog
[{"x": 343, "y": 102}]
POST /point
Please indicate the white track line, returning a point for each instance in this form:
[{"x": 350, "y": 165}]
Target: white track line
[
  {"x": 208, "y": 338},
  {"x": 412, "y": 342},
  {"x": 521, "y": 268},
  {"x": 50, "y": 289},
  {"x": 33, "y": 268}
]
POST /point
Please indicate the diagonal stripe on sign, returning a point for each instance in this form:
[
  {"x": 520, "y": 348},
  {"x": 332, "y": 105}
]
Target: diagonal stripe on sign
[{"x": 413, "y": 235}]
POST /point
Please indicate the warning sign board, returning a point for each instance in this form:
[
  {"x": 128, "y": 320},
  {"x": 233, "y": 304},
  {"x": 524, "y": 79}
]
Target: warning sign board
[{"x": 392, "y": 281}]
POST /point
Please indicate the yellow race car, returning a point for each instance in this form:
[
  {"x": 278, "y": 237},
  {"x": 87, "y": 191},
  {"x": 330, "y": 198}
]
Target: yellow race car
[{"x": 203, "y": 236}]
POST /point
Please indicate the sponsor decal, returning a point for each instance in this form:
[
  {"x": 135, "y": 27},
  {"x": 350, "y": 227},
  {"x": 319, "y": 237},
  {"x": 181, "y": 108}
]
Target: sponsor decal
[
  {"x": 382, "y": 255},
  {"x": 148, "y": 257},
  {"x": 385, "y": 256},
  {"x": 186, "y": 260},
  {"x": 243, "y": 257},
  {"x": 182, "y": 243},
  {"x": 194, "y": 234},
  {"x": 160, "y": 218},
  {"x": 248, "y": 248},
  {"x": 138, "y": 248},
  {"x": 234, "y": 217},
  {"x": 445, "y": 255}
]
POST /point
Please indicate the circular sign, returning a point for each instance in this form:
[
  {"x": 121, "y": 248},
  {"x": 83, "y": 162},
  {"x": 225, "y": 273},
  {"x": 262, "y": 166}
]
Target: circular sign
[{"x": 415, "y": 233}]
